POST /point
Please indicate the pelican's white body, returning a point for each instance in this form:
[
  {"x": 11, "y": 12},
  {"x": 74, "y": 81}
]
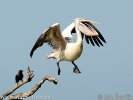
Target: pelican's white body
[{"x": 72, "y": 50}]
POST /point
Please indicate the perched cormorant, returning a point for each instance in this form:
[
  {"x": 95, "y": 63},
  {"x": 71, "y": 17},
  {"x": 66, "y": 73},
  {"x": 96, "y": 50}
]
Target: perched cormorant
[{"x": 19, "y": 76}]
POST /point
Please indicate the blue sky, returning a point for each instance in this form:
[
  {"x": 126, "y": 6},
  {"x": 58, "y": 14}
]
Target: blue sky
[{"x": 106, "y": 70}]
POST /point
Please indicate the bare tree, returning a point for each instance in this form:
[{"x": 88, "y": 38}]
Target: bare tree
[{"x": 29, "y": 77}]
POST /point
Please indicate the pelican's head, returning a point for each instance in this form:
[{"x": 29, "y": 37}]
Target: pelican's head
[{"x": 79, "y": 19}]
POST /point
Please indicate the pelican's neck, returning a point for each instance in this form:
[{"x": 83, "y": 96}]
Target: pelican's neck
[
  {"x": 67, "y": 31},
  {"x": 79, "y": 37}
]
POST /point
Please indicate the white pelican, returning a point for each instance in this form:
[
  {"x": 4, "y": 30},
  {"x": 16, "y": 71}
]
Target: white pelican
[{"x": 64, "y": 48}]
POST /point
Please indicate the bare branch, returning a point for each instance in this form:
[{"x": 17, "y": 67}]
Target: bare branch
[
  {"x": 33, "y": 90},
  {"x": 29, "y": 77}
]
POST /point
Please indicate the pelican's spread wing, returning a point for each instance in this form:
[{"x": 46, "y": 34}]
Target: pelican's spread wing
[
  {"x": 92, "y": 34},
  {"x": 53, "y": 37}
]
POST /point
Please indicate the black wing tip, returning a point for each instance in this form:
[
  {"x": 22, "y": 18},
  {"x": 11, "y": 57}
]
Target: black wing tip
[
  {"x": 95, "y": 40},
  {"x": 99, "y": 41},
  {"x": 30, "y": 55},
  {"x": 102, "y": 38},
  {"x": 91, "y": 40},
  {"x": 105, "y": 42}
]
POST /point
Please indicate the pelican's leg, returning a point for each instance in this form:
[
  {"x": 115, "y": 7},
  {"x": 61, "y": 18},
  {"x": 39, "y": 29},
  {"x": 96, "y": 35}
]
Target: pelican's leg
[
  {"x": 58, "y": 68},
  {"x": 75, "y": 69}
]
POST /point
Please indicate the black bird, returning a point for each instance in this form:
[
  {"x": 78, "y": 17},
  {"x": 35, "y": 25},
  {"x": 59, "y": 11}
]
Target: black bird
[{"x": 19, "y": 76}]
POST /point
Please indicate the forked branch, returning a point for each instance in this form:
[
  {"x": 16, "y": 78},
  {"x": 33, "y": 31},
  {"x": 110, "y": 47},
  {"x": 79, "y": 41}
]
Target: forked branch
[
  {"x": 29, "y": 77},
  {"x": 33, "y": 90}
]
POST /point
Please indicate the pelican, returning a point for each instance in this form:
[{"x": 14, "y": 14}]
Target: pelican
[{"x": 65, "y": 49}]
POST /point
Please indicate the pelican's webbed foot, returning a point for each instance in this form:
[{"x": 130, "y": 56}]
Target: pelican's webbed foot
[{"x": 76, "y": 69}]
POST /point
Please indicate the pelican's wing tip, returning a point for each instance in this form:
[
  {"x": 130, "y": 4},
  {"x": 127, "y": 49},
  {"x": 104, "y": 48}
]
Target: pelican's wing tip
[{"x": 31, "y": 54}]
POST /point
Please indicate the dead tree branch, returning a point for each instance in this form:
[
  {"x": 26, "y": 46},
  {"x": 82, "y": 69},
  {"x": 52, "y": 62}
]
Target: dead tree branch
[
  {"x": 34, "y": 89},
  {"x": 29, "y": 76}
]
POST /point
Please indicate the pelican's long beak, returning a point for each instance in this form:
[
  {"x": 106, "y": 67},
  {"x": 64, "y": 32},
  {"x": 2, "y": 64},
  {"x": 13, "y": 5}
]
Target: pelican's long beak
[{"x": 91, "y": 21}]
